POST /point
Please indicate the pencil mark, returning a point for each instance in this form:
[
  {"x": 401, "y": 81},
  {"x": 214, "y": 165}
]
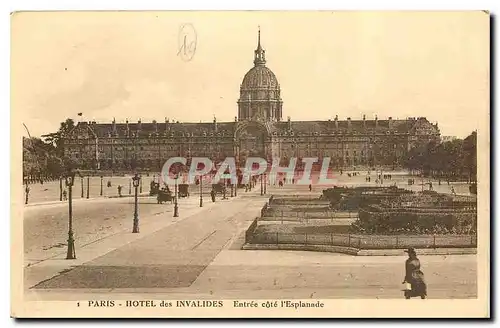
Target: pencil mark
[{"x": 187, "y": 41}]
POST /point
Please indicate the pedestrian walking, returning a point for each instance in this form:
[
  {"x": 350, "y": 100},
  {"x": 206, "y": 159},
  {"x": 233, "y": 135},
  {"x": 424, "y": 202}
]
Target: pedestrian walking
[
  {"x": 119, "y": 190},
  {"x": 65, "y": 195},
  {"x": 414, "y": 277}
]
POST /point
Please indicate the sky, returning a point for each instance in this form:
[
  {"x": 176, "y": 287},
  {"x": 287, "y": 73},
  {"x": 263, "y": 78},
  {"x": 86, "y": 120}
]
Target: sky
[{"x": 126, "y": 65}]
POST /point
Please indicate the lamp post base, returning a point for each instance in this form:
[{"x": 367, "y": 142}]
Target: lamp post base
[
  {"x": 135, "y": 229},
  {"x": 176, "y": 211},
  {"x": 71, "y": 255}
]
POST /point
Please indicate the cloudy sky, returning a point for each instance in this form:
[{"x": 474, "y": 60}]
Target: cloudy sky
[{"x": 126, "y": 65}]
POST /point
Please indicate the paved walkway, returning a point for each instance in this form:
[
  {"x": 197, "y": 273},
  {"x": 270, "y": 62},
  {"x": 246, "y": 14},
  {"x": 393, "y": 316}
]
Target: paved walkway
[
  {"x": 172, "y": 255},
  {"x": 199, "y": 256}
]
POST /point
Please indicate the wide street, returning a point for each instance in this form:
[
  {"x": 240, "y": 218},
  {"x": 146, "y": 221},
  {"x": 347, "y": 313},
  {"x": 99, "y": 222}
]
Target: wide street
[
  {"x": 199, "y": 255},
  {"x": 50, "y": 191}
]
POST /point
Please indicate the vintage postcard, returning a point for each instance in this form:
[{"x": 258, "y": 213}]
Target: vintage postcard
[{"x": 250, "y": 164}]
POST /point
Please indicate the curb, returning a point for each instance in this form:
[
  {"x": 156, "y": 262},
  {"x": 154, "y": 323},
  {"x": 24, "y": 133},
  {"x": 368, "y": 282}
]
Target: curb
[{"x": 357, "y": 251}]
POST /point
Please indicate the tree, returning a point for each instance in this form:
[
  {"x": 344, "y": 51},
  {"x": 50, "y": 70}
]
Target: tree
[
  {"x": 470, "y": 156},
  {"x": 56, "y": 139},
  {"x": 452, "y": 159}
]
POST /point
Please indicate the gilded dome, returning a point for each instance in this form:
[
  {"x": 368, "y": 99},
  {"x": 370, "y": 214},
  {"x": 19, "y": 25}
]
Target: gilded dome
[{"x": 259, "y": 77}]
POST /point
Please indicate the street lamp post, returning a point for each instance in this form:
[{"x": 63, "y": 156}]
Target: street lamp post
[
  {"x": 101, "y": 185},
  {"x": 261, "y": 186},
  {"x": 130, "y": 187},
  {"x": 70, "y": 180},
  {"x": 176, "y": 206},
  {"x": 88, "y": 186},
  {"x": 232, "y": 189},
  {"x": 136, "y": 180},
  {"x": 265, "y": 183},
  {"x": 60, "y": 189},
  {"x": 236, "y": 188},
  {"x": 224, "y": 191},
  {"x": 81, "y": 182},
  {"x": 201, "y": 191},
  {"x": 140, "y": 186}
]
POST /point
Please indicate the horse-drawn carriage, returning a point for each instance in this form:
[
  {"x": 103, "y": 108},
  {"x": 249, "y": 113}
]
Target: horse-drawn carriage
[
  {"x": 184, "y": 190},
  {"x": 164, "y": 196},
  {"x": 154, "y": 188},
  {"x": 219, "y": 188}
]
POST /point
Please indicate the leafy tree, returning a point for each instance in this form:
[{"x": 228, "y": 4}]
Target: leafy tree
[{"x": 451, "y": 159}]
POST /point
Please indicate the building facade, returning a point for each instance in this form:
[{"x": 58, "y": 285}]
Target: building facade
[{"x": 258, "y": 131}]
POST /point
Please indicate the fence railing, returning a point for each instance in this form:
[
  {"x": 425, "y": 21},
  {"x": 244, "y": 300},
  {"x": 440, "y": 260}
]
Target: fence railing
[
  {"x": 365, "y": 242},
  {"x": 307, "y": 215}
]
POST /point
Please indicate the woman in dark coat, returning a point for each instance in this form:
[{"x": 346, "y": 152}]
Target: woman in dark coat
[{"x": 414, "y": 276}]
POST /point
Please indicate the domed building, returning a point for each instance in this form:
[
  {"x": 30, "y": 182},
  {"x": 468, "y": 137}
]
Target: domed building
[
  {"x": 260, "y": 96},
  {"x": 257, "y": 131}
]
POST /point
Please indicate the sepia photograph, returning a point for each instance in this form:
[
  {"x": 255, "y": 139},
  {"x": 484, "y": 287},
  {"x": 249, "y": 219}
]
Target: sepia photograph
[{"x": 250, "y": 164}]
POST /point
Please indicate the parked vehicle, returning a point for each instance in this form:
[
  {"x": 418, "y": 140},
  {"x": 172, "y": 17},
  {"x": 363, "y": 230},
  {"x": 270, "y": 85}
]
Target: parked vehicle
[{"x": 164, "y": 196}]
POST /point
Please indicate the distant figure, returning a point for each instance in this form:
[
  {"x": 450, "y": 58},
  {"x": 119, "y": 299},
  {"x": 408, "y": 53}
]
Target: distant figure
[
  {"x": 65, "y": 195},
  {"x": 414, "y": 276},
  {"x": 293, "y": 180},
  {"x": 109, "y": 183},
  {"x": 453, "y": 191},
  {"x": 119, "y": 190},
  {"x": 27, "y": 189},
  {"x": 430, "y": 186},
  {"x": 310, "y": 187},
  {"x": 212, "y": 195}
]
